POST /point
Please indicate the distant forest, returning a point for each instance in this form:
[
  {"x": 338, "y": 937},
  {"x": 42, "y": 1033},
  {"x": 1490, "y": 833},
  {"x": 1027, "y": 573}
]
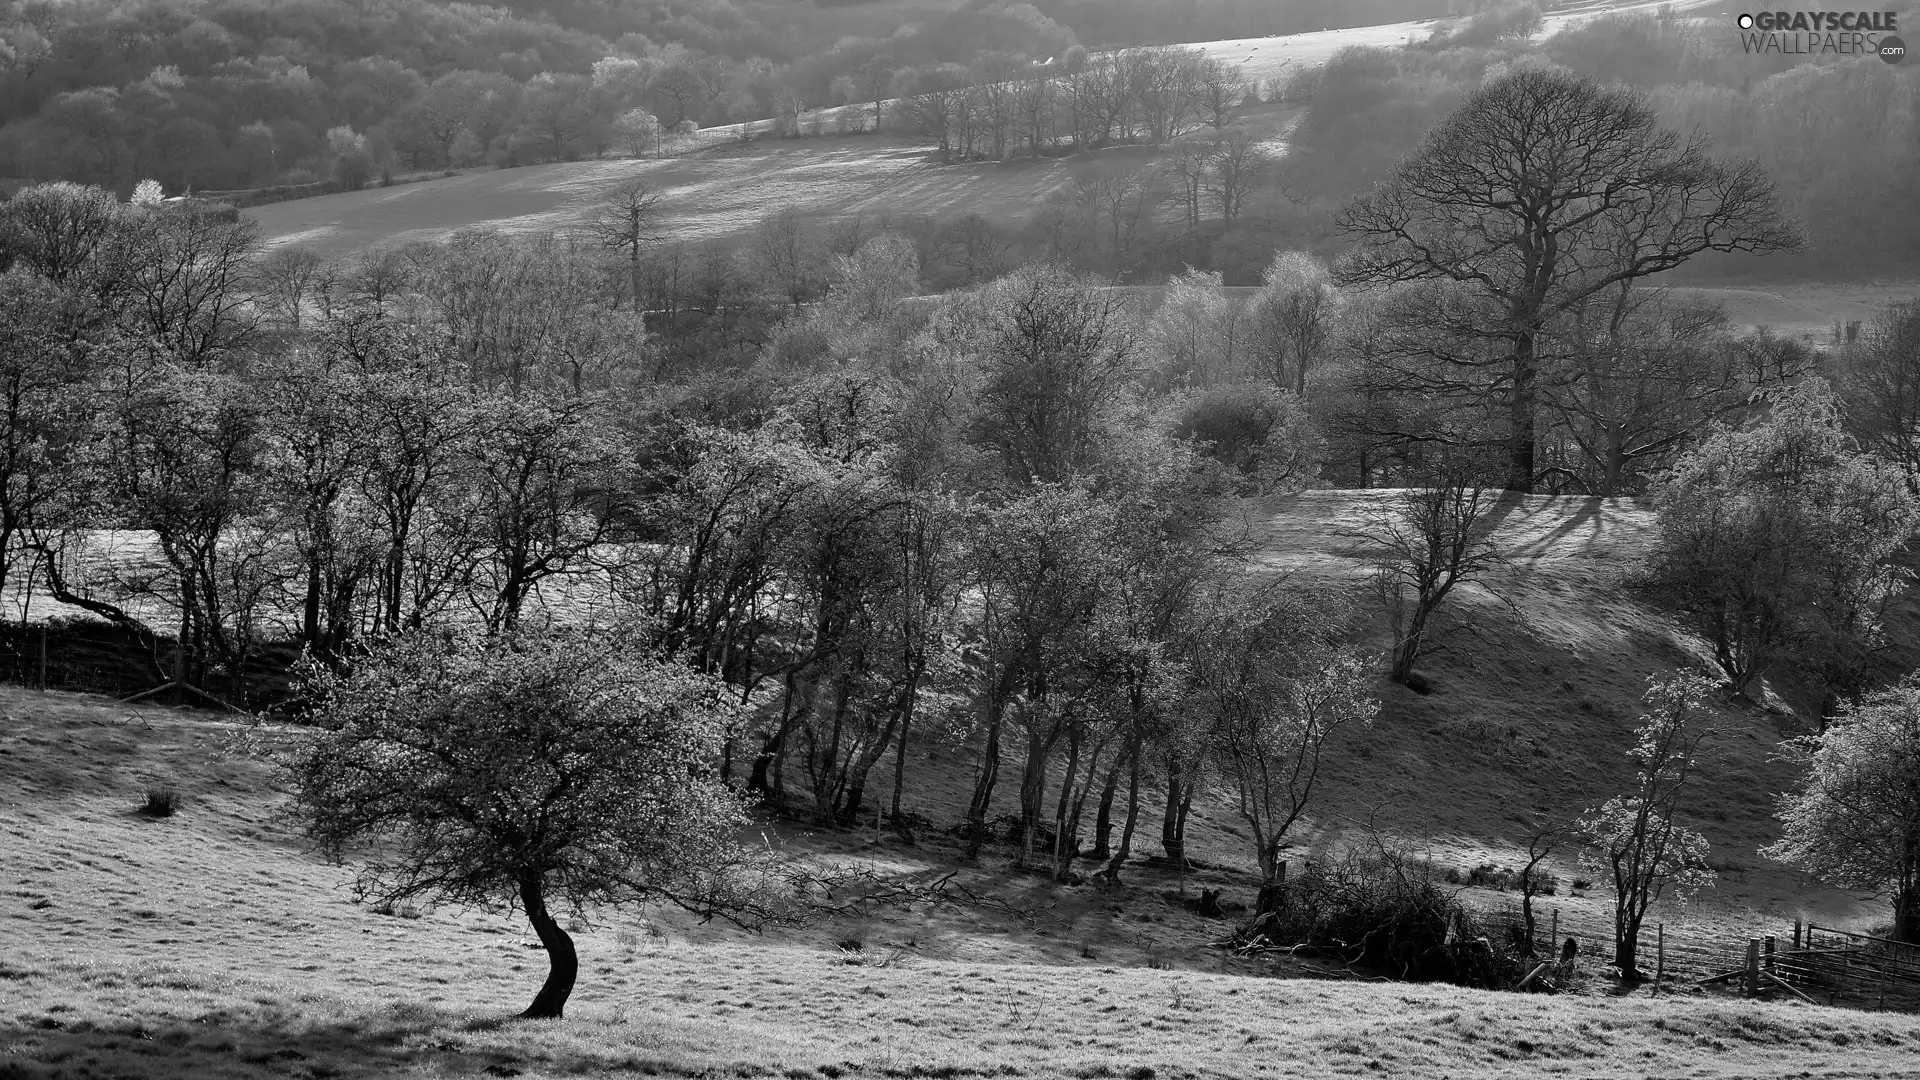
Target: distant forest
[{"x": 228, "y": 94}]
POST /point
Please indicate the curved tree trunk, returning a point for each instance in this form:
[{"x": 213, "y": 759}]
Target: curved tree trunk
[{"x": 563, "y": 963}]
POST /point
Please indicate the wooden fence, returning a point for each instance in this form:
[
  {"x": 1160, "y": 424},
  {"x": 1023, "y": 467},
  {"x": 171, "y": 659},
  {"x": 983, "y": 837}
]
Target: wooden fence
[{"x": 1824, "y": 966}]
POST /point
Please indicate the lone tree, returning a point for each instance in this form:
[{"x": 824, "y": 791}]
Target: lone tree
[
  {"x": 1544, "y": 190},
  {"x": 627, "y": 221},
  {"x": 1425, "y": 543},
  {"x": 543, "y": 772},
  {"x": 1635, "y": 837},
  {"x": 1855, "y": 822}
]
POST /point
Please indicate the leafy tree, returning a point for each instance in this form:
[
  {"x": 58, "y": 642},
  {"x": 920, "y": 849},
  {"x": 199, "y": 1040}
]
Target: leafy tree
[
  {"x": 1635, "y": 838},
  {"x": 1880, "y": 380},
  {"x": 544, "y": 773},
  {"x": 638, "y": 132},
  {"x": 1276, "y": 685},
  {"x": 1293, "y": 318},
  {"x": 1542, "y": 191},
  {"x": 1261, "y": 436},
  {"x": 1037, "y": 564},
  {"x": 1780, "y": 541},
  {"x": 1854, "y": 822},
  {"x": 45, "y": 406},
  {"x": 1056, "y": 359},
  {"x": 59, "y": 229}
]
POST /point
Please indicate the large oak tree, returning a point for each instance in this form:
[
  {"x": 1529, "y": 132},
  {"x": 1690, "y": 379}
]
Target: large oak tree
[{"x": 1542, "y": 191}]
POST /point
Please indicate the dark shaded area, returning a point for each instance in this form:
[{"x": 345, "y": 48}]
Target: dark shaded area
[
  {"x": 93, "y": 657},
  {"x": 50, "y": 1048}
]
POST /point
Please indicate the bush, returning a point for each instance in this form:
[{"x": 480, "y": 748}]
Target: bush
[
  {"x": 1385, "y": 910},
  {"x": 162, "y": 801}
]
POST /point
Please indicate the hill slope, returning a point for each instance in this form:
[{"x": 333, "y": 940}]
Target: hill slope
[
  {"x": 210, "y": 944},
  {"x": 725, "y": 189},
  {"x": 205, "y": 945}
]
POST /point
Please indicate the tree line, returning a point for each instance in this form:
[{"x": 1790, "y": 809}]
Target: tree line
[{"x": 241, "y": 94}]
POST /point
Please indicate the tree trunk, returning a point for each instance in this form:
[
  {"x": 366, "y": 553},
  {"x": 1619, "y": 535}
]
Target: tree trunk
[
  {"x": 983, "y": 789},
  {"x": 1171, "y": 841},
  {"x": 1273, "y": 892},
  {"x": 563, "y": 963},
  {"x": 1906, "y": 917},
  {"x": 1626, "y": 947},
  {"x": 1103, "y": 819},
  {"x": 1520, "y": 439},
  {"x": 1112, "y": 871}
]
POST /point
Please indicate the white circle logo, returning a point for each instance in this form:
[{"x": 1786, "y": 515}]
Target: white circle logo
[{"x": 1745, "y": 21}]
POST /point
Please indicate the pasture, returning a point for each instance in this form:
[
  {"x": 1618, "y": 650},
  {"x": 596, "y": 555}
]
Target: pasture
[{"x": 208, "y": 944}]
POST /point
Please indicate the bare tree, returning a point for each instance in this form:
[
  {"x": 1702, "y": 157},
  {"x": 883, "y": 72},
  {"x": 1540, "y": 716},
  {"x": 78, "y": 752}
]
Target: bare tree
[
  {"x": 1239, "y": 165},
  {"x": 1543, "y": 190},
  {"x": 288, "y": 276},
  {"x": 627, "y": 221},
  {"x": 1426, "y": 542}
]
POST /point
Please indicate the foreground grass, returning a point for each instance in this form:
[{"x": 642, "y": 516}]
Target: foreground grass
[
  {"x": 735, "y": 1011},
  {"x": 206, "y": 945}
]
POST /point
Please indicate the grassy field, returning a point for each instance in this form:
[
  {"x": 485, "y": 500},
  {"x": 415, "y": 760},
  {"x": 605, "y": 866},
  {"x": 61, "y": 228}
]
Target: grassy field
[
  {"x": 206, "y": 945},
  {"x": 725, "y": 189},
  {"x": 210, "y": 944}
]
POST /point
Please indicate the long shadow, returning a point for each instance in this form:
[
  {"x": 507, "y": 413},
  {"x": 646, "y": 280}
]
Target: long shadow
[
  {"x": 268, "y": 1044},
  {"x": 1589, "y": 511}
]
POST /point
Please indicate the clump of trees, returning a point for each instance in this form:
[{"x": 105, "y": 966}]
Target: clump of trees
[{"x": 1782, "y": 540}]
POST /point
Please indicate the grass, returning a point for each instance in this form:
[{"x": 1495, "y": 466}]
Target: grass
[{"x": 210, "y": 944}]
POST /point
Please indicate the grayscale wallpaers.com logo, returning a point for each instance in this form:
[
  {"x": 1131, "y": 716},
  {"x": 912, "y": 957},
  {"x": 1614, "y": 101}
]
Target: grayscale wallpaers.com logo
[{"x": 1809, "y": 33}]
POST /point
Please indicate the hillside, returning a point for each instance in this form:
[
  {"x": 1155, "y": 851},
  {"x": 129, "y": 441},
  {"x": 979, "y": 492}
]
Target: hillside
[
  {"x": 215, "y": 946},
  {"x": 726, "y": 188}
]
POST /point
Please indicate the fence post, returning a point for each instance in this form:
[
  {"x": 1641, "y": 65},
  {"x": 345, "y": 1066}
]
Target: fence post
[
  {"x": 1660, "y": 963},
  {"x": 1753, "y": 966},
  {"x": 1796, "y": 935},
  {"x": 1553, "y": 940},
  {"x": 1769, "y": 951},
  {"x": 43, "y": 658}
]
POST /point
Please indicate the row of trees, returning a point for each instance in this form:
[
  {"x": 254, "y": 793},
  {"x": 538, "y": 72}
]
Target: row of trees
[
  {"x": 245, "y": 95},
  {"x": 1006, "y": 105},
  {"x": 466, "y": 436}
]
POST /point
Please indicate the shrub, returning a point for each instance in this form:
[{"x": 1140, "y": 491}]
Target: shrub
[
  {"x": 1385, "y": 910},
  {"x": 162, "y": 801}
]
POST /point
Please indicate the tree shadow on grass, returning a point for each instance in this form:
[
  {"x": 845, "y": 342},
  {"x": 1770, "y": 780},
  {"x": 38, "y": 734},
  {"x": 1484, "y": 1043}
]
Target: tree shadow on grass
[{"x": 270, "y": 1042}]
